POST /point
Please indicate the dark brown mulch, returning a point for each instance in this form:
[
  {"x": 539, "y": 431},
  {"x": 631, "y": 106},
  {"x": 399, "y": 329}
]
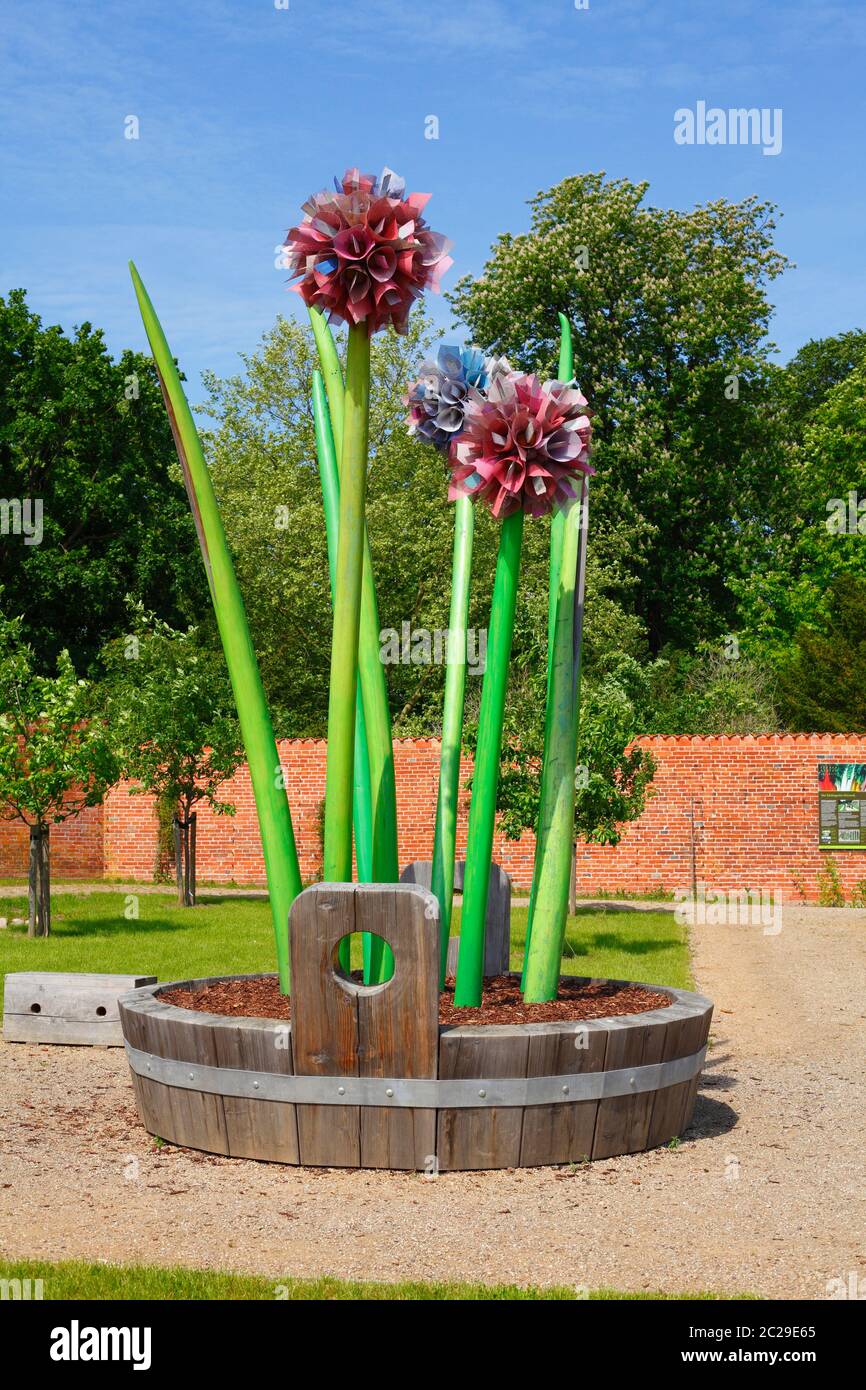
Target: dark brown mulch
[{"x": 501, "y": 1001}]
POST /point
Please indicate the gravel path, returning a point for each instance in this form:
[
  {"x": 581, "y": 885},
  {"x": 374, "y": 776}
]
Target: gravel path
[{"x": 764, "y": 1194}]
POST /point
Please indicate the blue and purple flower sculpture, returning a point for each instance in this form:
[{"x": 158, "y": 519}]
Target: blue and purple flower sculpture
[{"x": 437, "y": 400}]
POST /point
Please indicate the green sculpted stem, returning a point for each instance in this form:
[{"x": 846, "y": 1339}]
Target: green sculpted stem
[
  {"x": 272, "y": 806},
  {"x": 374, "y": 688},
  {"x": 565, "y": 372},
  {"x": 362, "y": 818},
  {"x": 330, "y": 481},
  {"x": 445, "y": 834},
  {"x": 556, "y": 813},
  {"x": 485, "y": 780},
  {"x": 347, "y": 611}
]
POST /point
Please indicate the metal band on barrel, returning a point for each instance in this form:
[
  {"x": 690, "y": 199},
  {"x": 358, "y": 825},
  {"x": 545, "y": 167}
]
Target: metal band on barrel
[{"x": 415, "y": 1092}]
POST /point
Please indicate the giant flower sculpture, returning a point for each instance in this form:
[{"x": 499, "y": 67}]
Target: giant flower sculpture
[
  {"x": 364, "y": 253},
  {"x": 361, "y": 255},
  {"x": 523, "y": 446},
  {"x": 438, "y": 400}
]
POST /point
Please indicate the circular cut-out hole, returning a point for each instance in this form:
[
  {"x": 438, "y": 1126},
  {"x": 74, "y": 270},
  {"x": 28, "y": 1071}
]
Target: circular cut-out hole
[
  {"x": 364, "y": 958},
  {"x": 36, "y": 1008},
  {"x": 101, "y": 1012}
]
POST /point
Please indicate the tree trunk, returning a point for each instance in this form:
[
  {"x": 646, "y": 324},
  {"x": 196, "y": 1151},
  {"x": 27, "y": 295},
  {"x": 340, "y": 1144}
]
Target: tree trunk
[
  {"x": 191, "y": 858},
  {"x": 184, "y": 858},
  {"x": 177, "y": 832},
  {"x": 39, "y": 882}
]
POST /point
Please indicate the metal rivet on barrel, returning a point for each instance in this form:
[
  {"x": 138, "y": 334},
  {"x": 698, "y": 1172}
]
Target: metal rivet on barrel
[
  {"x": 341, "y": 1090},
  {"x": 565, "y": 1090},
  {"x": 389, "y": 1091},
  {"x": 482, "y": 1094},
  {"x": 192, "y": 1076},
  {"x": 255, "y": 1085}
]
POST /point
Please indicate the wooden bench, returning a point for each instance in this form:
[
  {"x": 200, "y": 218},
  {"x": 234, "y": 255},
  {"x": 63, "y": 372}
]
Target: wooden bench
[
  {"x": 497, "y": 924},
  {"x": 42, "y": 1006}
]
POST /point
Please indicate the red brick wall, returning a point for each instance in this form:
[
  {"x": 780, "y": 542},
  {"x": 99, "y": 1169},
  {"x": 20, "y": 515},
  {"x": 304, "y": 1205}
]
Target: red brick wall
[
  {"x": 76, "y": 846},
  {"x": 756, "y": 812},
  {"x": 756, "y": 816},
  {"x": 229, "y": 846}
]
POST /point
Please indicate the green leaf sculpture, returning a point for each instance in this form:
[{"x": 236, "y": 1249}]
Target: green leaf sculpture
[{"x": 272, "y": 805}]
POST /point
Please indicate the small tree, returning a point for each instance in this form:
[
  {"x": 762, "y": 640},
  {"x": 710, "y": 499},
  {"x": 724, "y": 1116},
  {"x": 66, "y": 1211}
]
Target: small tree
[
  {"x": 611, "y": 777},
  {"x": 173, "y": 726},
  {"x": 55, "y": 756}
]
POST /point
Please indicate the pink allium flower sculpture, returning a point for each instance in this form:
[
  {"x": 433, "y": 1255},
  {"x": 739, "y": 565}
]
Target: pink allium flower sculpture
[
  {"x": 523, "y": 446},
  {"x": 365, "y": 252},
  {"x": 361, "y": 255}
]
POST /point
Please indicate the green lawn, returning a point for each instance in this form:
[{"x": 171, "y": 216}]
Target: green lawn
[
  {"x": 75, "y": 1279},
  {"x": 648, "y": 946},
  {"x": 225, "y": 936}
]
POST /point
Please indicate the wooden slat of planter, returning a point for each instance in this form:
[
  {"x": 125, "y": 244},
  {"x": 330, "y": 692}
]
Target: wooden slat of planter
[
  {"x": 398, "y": 1024},
  {"x": 622, "y": 1122},
  {"x": 135, "y": 1021},
  {"x": 497, "y": 923},
  {"x": 672, "y": 1107},
  {"x": 324, "y": 1023},
  {"x": 481, "y": 1138},
  {"x": 182, "y": 1116},
  {"x": 561, "y": 1133},
  {"x": 264, "y": 1129},
  {"x": 150, "y": 1100}
]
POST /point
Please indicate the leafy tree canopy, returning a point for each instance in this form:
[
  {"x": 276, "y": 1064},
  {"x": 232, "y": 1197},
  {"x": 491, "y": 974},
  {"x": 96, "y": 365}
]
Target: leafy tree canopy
[
  {"x": 611, "y": 777},
  {"x": 821, "y": 682},
  {"x": 670, "y": 315},
  {"x": 171, "y": 713},
  {"x": 55, "y": 755},
  {"x": 815, "y": 531},
  {"x": 88, "y": 439}
]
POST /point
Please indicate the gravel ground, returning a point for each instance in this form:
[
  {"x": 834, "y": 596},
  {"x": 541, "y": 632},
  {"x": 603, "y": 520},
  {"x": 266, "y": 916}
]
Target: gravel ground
[{"x": 765, "y": 1193}]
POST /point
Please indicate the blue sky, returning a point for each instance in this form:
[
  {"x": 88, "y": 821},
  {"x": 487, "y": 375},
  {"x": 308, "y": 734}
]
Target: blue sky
[{"x": 245, "y": 108}]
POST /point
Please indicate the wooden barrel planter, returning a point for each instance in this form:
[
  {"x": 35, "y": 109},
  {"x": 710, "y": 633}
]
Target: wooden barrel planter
[{"x": 365, "y": 1076}]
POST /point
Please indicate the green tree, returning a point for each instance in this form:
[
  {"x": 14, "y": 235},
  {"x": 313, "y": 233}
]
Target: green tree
[
  {"x": 814, "y": 370},
  {"x": 612, "y": 776},
  {"x": 718, "y": 689},
  {"x": 55, "y": 755},
  {"x": 814, "y": 531},
  {"x": 263, "y": 460},
  {"x": 821, "y": 683},
  {"x": 86, "y": 445},
  {"x": 173, "y": 726},
  {"x": 670, "y": 316}
]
